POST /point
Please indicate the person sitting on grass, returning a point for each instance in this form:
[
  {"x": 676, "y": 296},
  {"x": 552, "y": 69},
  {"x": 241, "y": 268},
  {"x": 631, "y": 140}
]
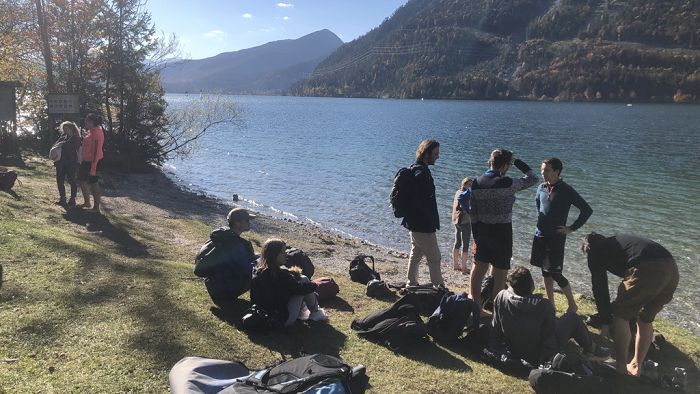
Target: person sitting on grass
[
  {"x": 526, "y": 325},
  {"x": 278, "y": 292}
]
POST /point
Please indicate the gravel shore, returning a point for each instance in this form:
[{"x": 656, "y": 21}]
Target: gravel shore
[{"x": 146, "y": 197}]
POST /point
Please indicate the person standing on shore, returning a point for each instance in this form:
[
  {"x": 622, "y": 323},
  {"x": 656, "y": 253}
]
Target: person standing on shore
[
  {"x": 650, "y": 278},
  {"x": 68, "y": 163},
  {"x": 422, "y": 218},
  {"x": 490, "y": 204},
  {"x": 554, "y": 198},
  {"x": 92, "y": 153},
  {"x": 463, "y": 230}
]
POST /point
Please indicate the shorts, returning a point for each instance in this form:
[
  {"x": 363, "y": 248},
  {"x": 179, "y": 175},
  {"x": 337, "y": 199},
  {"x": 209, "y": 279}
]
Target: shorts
[
  {"x": 496, "y": 254},
  {"x": 647, "y": 287},
  {"x": 548, "y": 254},
  {"x": 84, "y": 173}
]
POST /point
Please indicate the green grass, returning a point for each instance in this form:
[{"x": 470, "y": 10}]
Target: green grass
[{"x": 108, "y": 308}]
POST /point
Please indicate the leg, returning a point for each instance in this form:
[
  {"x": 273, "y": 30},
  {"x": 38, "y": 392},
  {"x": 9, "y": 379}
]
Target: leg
[
  {"x": 430, "y": 247},
  {"x": 456, "y": 247},
  {"x": 294, "y": 307},
  {"x": 72, "y": 182},
  {"x": 96, "y": 196},
  {"x": 499, "y": 279},
  {"x": 549, "y": 287},
  {"x": 455, "y": 260},
  {"x": 466, "y": 234},
  {"x": 645, "y": 334},
  {"x": 413, "y": 261},
  {"x": 86, "y": 194},
  {"x": 621, "y": 336},
  {"x": 60, "y": 178},
  {"x": 477, "y": 276},
  {"x": 570, "y": 299},
  {"x": 570, "y": 326},
  {"x": 465, "y": 258}
]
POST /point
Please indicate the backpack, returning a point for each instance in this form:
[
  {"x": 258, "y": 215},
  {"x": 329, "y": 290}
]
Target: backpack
[
  {"x": 572, "y": 372},
  {"x": 327, "y": 288},
  {"x": 309, "y": 374},
  {"x": 378, "y": 289},
  {"x": 256, "y": 320},
  {"x": 297, "y": 258},
  {"x": 450, "y": 318},
  {"x": 317, "y": 373},
  {"x": 401, "y": 192},
  {"x": 428, "y": 295},
  {"x": 360, "y": 271},
  {"x": 398, "y": 327},
  {"x": 7, "y": 180}
]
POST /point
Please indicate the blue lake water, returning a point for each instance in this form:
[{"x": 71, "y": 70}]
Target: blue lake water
[{"x": 331, "y": 162}]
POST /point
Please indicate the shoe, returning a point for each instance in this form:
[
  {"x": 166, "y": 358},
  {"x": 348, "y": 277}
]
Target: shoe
[
  {"x": 71, "y": 202},
  {"x": 61, "y": 201},
  {"x": 600, "y": 353},
  {"x": 319, "y": 315},
  {"x": 304, "y": 313}
]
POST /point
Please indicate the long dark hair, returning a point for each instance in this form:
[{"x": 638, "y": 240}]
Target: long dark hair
[{"x": 270, "y": 250}]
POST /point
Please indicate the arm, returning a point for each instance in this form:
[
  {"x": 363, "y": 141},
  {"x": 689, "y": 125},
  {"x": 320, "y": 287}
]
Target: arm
[
  {"x": 463, "y": 199},
  {"x": 599, "y": 282},
  {"x": 585, "y": 211},
  {"x": 96, "y": 145},
  {"x": 290, "y": 286},
  {"x": 528, "y": 180}
]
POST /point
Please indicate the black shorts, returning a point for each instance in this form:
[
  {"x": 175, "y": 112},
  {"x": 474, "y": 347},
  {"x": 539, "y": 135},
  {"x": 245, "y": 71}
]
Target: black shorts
[
  {"x": 84, "y": 173},
  {"x": 548, "y": 254},
  {"x": 497, "y": 254}
]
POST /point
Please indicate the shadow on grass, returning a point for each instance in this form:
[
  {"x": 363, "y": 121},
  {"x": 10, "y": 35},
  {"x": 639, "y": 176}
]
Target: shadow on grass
[
  {"x": 338, "y": 304},
  {"x": 95, "y": 222}
]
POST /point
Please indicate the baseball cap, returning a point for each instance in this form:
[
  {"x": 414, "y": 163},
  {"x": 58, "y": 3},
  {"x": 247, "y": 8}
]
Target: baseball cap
[{"x": 237, "y": 214}]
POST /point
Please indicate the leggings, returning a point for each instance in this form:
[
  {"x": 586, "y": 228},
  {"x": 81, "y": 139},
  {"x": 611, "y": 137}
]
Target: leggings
[
  {"x": 64, "y": 171},
  {"x": 558, "y": 277},
  {"x": 462, "y": 234}
]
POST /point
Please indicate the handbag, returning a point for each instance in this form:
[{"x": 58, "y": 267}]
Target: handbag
[{"x": 55, "y": 152}]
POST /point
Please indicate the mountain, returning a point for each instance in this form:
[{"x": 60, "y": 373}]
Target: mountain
[
  {"x": 270, "y": 67},
  {"x": 579, "y": 50}
]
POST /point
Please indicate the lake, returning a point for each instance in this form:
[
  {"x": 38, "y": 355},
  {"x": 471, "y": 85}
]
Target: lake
[{"x": 330, "y": 162}]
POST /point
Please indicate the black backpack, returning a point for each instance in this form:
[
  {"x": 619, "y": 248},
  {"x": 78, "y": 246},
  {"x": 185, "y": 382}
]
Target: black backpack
[
  {"x": 297, "y": 258},
  {"x": 360, "y": 271},
  {"x": 398, "y": 327},
  {"x": 572, "y": 373},
  {"x": 308, "y": 374},
  {"x": 401, "y": 192},
  {"x": 7, "y": 180},
  {"x": 428, "y": 295},
  {"x": 450, "y": 318},
  {"x": 257, "y": 321}
]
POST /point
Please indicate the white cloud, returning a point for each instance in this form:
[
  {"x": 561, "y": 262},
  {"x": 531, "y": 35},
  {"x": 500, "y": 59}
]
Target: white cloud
[
  {"x": 247, "y": 16},
  {"x": 284, "y": 5},
  {"x": 210, "y": 34},
  {"x": 286, "y": 18},
  {"x": 217, "y": 32}
]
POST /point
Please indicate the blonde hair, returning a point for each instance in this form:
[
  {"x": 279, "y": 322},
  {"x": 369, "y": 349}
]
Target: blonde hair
[
  {"x": 76, "y": 130},
  {"x": 465, "y": 182},
  {"x": 270, "y": 250}
]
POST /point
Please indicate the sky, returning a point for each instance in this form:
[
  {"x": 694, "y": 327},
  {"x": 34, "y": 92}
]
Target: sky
[{"x": 206, "y": 28}]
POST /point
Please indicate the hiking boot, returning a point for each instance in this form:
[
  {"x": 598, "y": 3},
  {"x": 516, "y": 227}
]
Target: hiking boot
[
  {"x": 600, "y": 353},
  {"x": 319, "y": 315},
  {"x": 71, "y": 202}
]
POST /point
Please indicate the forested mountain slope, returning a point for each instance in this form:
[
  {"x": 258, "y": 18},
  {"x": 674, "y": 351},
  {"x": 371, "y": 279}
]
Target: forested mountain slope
[{"x": 504, "y": 49}]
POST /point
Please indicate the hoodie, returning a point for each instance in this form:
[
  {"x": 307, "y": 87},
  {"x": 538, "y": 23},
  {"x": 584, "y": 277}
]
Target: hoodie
[{"x": 525, "y": 325}]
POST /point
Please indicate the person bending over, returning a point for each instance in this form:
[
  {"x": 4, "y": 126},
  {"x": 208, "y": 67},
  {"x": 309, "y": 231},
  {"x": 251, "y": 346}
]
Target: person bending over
[
  {"x": 278, "y": 292},
  {"x": 650, "y": 278},
  {"x": 525, "y": 324}
]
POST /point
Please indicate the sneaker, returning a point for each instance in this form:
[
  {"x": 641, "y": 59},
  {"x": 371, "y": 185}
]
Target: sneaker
[
  {"x": 319, "y": 315},
  {"x": 600, "y": 353},
  {"x": 304, "y": 313}
]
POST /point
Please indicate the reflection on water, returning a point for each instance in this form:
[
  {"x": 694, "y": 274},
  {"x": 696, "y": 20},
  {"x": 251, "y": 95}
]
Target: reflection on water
[{"x": 332, "y": 162}]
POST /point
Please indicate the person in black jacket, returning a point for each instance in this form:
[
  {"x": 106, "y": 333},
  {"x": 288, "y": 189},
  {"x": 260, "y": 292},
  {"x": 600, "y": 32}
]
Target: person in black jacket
[
  {"x": 68, "y": 163},
  {"x": 650, "y": 278},
  {"x": 278, "y": 292},
  {"x": 422, "y": 218}
]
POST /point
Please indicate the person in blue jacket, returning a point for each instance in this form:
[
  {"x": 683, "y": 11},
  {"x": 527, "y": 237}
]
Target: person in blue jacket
[{"x": 554, "y": 198}]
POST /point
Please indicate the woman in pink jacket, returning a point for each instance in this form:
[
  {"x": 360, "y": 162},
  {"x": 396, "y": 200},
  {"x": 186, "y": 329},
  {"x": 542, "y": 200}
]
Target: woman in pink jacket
[{"x": 92, "y": 153}]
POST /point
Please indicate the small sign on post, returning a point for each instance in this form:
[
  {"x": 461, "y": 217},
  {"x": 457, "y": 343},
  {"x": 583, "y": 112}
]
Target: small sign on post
[{"x": 63, "y": 103}]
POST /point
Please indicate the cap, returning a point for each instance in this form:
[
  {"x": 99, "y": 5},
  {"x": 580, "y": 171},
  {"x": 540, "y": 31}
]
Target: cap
[{"x": 237, "y": 214}]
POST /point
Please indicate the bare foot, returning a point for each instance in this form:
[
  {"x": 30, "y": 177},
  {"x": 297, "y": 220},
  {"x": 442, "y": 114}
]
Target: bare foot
[
  {"x": 572, "y": 308},
  {"x": 634, "y": 369},
  {"x": 457, "y": 268},
  {"x": 86, "y": 205}
]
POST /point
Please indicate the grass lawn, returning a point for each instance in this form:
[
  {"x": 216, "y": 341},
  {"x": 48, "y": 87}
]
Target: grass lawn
[{"x": 105, "y": 306}]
